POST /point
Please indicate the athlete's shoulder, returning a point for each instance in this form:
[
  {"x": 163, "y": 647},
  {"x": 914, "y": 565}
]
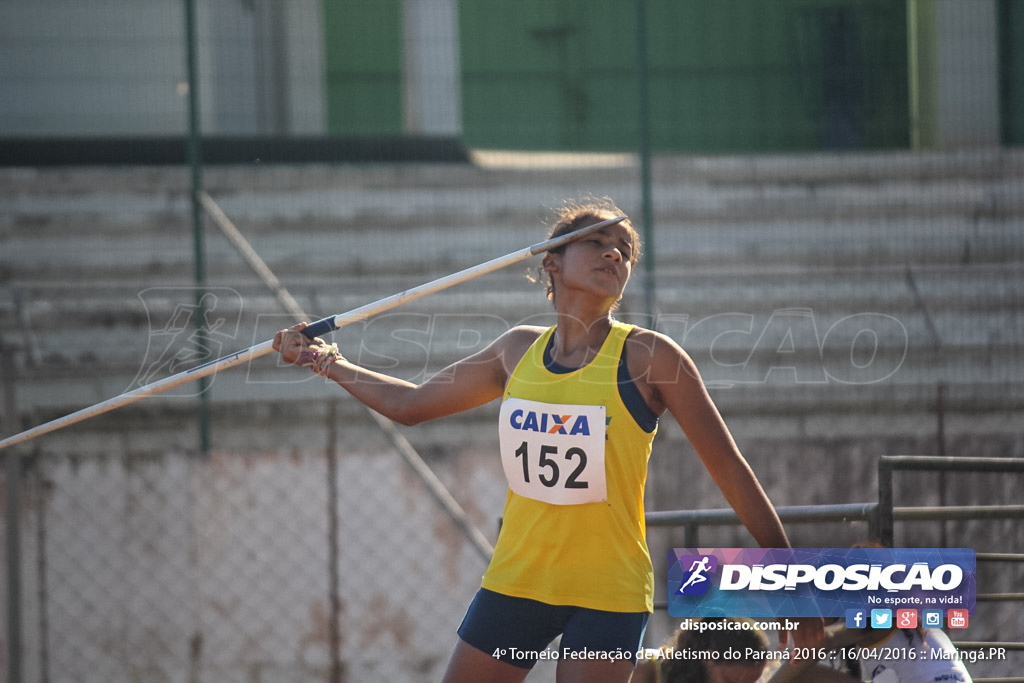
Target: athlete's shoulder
[
  {"x": 528, "y": 330},
  {"x": 522, "y": 336},
  {"x": 650, "y": 337},
  {"x": 511, "y": 346},
  {"x": 653, "y": 346},
  {"x": 657, "y": 358}
]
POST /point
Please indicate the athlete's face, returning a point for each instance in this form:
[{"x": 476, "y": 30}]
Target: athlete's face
[{"x": 601, "y": 261}]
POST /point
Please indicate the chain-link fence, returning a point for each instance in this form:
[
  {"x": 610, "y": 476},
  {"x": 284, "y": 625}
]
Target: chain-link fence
[{"x": 238, "y": 567}]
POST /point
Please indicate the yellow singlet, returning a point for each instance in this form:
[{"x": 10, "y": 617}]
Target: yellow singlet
[{"x": 589, "y": 554}]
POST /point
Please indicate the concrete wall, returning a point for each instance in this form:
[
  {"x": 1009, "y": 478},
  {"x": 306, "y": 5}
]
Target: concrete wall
[
  {"x": 118, "y": 68},
  {"x": 954, "y": 73}
]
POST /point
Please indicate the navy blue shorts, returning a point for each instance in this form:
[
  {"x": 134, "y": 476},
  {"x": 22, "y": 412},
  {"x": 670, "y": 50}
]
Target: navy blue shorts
[{"x": 516, "y": 630}]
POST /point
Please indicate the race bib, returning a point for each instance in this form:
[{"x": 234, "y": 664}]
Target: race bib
[{"x": 553, "y": 453}]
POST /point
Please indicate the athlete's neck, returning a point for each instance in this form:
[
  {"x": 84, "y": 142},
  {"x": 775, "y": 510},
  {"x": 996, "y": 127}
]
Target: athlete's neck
[{"x": 576, "y": 341}]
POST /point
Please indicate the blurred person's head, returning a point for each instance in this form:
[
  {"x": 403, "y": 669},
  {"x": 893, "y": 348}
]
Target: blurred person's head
[{"x": 746, "y": 646}]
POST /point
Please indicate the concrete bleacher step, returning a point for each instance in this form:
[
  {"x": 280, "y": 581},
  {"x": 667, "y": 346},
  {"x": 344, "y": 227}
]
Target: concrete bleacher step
[
  {"x": 95, "y": 262},
  {"x": 950, "y": 291},
  {"x": 85, "y": 355},
  {"x": 857, "y": 209}
]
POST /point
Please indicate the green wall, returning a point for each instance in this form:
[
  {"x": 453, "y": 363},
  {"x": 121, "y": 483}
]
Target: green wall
[
  {"x": 363, "y": 64},
  {"x": 548, "y": 74},
  {"x": 1011, "y": 71},
  {"x": 725, "y": 75}
]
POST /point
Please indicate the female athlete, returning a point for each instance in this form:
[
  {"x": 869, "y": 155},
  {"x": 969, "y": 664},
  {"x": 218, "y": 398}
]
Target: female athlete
[{"x": 580, "y": 404}]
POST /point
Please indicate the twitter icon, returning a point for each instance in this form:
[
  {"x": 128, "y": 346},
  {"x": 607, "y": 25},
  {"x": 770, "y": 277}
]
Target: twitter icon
[{"x": 881, "y": 618}]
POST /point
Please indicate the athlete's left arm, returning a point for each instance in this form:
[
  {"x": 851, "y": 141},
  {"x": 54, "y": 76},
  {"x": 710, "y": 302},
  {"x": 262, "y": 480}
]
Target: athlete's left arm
[
  {"x": 673, "y": 383},
  {"x": 670, "y": 381}
]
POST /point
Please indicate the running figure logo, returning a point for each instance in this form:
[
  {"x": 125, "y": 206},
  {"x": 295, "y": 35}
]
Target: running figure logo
[
  {"x": 175, "y": 344},
  {"x": 696, "y": 581}
]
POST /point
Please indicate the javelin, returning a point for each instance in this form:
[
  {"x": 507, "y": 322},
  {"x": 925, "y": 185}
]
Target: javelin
[{"x": 316, "y": 329}]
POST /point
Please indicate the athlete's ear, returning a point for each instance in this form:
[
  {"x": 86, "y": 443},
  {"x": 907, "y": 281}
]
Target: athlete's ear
[{"x": 550, "y": 262}]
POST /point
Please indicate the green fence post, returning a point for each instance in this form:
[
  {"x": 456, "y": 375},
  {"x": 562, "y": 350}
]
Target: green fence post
[
  {"x": 885, "y": 523},
  {"x": 12, "y": 518},
  {"x": 195, "y": 160},
  {"x": 647, "y": 208}
]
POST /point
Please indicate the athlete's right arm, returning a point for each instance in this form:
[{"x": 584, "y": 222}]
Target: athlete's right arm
[{"x": 468, "y": 383}]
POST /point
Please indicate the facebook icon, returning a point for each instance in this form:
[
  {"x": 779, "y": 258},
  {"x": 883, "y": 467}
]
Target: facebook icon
[{"x": 856, "y": 618}]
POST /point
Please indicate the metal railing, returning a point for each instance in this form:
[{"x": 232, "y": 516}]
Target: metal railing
[
  {"x": 881, "y": 517},
  {"x": 887, "y": 514}
]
